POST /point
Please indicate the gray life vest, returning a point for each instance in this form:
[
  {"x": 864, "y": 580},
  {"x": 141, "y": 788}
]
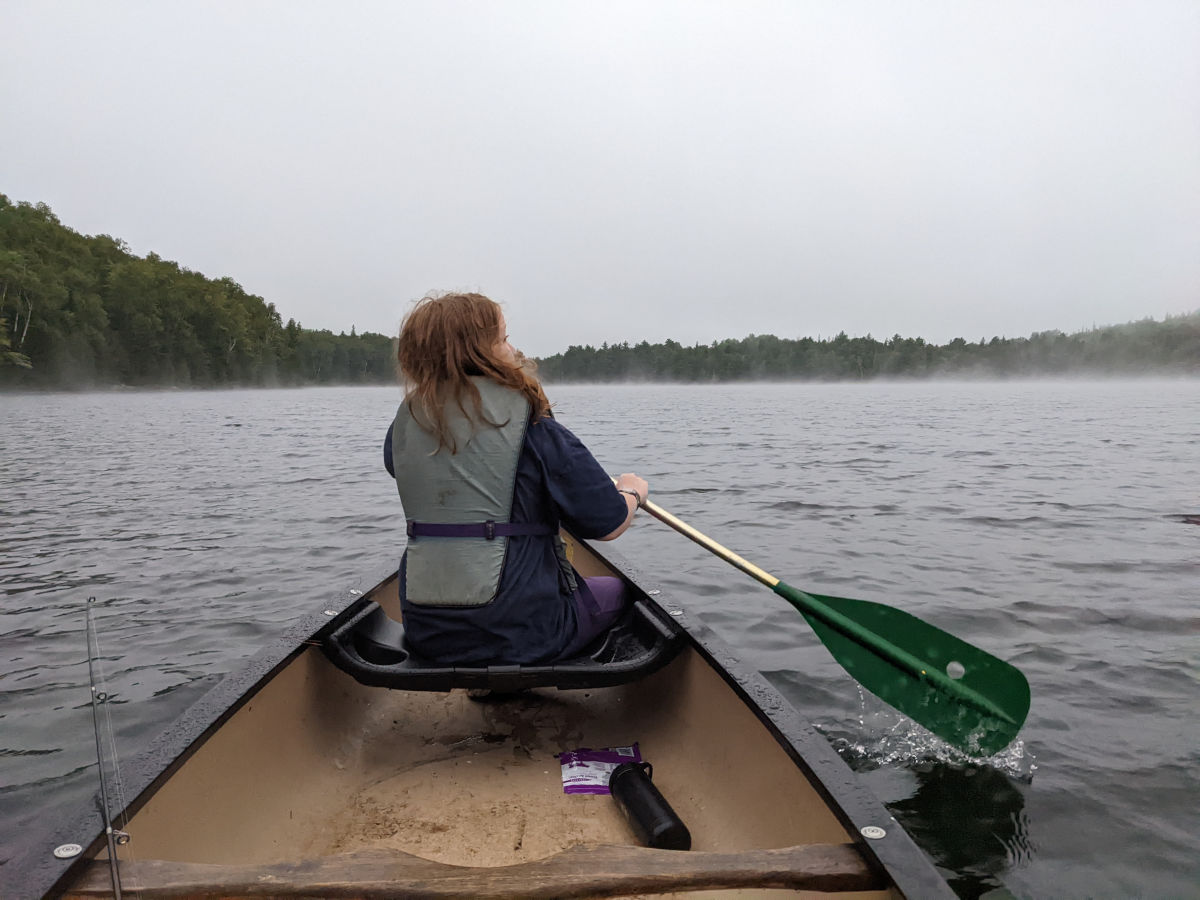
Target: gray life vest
[{"x": 458, "y": 505}]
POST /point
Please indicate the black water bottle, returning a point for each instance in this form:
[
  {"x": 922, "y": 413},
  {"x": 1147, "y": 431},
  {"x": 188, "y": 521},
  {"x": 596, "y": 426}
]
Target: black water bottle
[{"x": 651, "y": 816}]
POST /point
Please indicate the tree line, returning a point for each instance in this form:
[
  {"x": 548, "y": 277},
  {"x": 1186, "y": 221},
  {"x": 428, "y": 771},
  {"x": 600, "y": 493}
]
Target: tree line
[
  {"x": 78, "y": 310},
  {"x": 1147, "y": 347}
]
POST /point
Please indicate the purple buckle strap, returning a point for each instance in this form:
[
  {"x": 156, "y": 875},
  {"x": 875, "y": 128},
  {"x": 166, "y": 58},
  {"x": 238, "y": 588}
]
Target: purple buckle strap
[{"x": 489, "y": 529}]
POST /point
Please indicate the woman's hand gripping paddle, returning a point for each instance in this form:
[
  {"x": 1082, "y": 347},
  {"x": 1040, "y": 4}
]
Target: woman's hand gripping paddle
[{"x": 964, "y": 695}]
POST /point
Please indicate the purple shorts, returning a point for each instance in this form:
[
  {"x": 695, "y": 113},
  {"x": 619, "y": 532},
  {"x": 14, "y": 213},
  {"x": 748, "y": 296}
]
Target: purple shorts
[{"x": 599, "y": 602}]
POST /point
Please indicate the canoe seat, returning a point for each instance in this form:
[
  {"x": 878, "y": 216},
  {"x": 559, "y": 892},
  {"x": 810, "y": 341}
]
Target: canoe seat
[{"x": 370, "y": 645}]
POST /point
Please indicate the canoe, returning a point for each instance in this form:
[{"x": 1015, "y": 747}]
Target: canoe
[{"x": 336, "y": 764}]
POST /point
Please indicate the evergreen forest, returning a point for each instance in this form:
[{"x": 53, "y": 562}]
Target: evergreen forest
[
  {"x": 1170, "y": 347},
  {"x": 81, "y": 311}
]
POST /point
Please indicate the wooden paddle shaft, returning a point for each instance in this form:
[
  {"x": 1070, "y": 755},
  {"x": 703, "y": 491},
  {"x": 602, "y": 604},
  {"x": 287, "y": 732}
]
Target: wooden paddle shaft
[{"x": 710, "y": 545}]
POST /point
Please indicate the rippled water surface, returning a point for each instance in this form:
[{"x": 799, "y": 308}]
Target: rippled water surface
[{"x": 1046, "y": 522}]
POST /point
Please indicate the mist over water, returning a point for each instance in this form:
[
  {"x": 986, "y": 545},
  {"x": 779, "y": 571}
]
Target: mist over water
[{"x": 1048, "y": 523}]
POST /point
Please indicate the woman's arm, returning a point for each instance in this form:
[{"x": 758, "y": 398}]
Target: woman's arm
[
  {"x": 584, "y": 496},
  {"x": 636, "y": 491}
]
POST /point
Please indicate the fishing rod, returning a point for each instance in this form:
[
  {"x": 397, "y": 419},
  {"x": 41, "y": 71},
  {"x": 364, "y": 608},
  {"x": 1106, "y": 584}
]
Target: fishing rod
[{"x": 112, "y": 837}]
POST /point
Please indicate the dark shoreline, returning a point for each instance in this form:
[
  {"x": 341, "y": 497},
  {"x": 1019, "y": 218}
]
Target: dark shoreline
[{"x": 939, "y": 378}]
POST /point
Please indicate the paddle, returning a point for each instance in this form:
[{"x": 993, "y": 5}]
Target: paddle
[{"x": 964, "y": 695}]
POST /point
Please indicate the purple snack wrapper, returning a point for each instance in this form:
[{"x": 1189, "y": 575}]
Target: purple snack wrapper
[{"x": 587, "y": 771}]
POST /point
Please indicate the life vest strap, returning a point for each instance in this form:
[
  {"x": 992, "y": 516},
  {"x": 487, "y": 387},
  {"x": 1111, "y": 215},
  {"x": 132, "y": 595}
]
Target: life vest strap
[{"x": 489, "y": 529}]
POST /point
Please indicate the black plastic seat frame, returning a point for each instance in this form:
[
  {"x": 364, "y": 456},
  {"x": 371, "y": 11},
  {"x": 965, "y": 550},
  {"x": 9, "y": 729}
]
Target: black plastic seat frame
[{"x": 371, "y": 647}]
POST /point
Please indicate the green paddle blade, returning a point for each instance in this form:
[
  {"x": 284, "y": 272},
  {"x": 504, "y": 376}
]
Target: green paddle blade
[{"x": 964, "y": 695}]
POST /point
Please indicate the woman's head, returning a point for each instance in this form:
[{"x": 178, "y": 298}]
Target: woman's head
[{"x": 444, "y": 340}]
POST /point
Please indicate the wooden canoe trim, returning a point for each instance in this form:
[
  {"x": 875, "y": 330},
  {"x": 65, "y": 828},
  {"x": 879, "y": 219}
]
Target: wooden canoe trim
[{"x": 596, "y": 870}]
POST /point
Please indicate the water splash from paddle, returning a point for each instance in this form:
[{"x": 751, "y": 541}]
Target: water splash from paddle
[{"x": 885, "y": 738}]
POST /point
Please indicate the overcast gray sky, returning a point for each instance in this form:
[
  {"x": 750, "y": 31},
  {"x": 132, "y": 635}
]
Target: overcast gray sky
[{"x": 625, "y": 171}]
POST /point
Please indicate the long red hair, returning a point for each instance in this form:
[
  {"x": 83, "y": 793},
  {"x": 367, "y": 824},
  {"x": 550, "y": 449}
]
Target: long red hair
[{"x": 444, "y": 340}]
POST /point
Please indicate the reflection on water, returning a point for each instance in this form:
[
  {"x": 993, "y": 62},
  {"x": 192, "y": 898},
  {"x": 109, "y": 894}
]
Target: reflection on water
[
  {"x": 970, "y": 820},
  {"x": 1050, "y": 524}
]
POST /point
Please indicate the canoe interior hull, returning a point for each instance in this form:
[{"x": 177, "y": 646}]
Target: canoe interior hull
[
  {"x": 315, "y": 765},
  {"x": 318, "y": 764}
]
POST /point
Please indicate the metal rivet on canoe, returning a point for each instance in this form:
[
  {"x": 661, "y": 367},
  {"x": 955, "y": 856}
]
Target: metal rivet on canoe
[
  {"x": 67, "y": 851},
  {"x": 331, "y": 612},
  {"x": 874, "y": 832}
]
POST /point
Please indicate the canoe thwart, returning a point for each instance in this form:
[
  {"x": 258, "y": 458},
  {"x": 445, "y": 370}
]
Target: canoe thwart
[
  {"x": 581, "y": 871},
  {"x": 371, "y": 647}
]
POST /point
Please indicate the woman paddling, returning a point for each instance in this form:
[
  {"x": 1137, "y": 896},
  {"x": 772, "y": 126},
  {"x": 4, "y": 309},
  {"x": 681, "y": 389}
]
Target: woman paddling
[{"x": 486, "y": 477}]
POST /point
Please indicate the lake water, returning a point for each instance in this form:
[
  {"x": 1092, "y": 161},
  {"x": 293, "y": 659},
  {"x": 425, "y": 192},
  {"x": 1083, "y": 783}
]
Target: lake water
[{"x": 1045, "y": 522}]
